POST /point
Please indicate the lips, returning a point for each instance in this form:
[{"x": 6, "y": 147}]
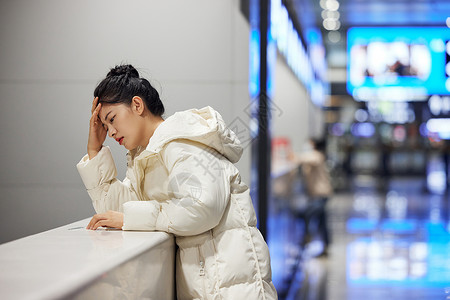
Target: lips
[{"x": 120, "y": 140}]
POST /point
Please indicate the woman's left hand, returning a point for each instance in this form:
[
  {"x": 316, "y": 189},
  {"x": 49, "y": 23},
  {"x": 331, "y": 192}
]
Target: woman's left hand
[{"x": 111, "y": 218}]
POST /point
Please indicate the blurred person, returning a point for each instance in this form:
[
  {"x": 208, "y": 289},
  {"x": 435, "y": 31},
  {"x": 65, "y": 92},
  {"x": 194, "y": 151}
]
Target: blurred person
[
  {"x": 318, "y": 188},
  {"x": 180, "y": 179}
]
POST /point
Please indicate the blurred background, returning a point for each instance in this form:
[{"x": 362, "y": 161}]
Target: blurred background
[{"x": 368, "y": 78}]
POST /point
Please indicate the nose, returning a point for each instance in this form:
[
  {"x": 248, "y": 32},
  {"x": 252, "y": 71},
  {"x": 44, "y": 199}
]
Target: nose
[{"x": 111, "y": 131}]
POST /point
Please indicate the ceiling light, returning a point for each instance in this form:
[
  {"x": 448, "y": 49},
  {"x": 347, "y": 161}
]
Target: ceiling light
[
  {"x": 332, "y": 5},
  {"x": 330, "y": 14},
  {"x": 331, "y": 24},
  {"x": 334, "y": 36}
]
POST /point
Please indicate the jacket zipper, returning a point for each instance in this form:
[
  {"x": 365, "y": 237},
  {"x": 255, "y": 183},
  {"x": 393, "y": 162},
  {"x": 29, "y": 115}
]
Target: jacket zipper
[
  {"x": 202, "y": 270},
  {"x": 139, "y": 174},
  {"x": 216, "y": 291}
]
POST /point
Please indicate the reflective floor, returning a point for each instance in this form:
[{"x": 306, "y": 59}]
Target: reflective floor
[{"x": 390, "y": 240}]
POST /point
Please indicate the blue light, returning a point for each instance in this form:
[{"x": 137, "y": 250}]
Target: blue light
[
  {"x": 423, "y": 130},
  {"x": 313, "y": 35},
  {"x": 365, "y": 130},
  {"x": 254, "y": 69},
  {"x": 385, "y": 262},
  {"x": 304, "y": 65},
  {"x": 359, "y": 225},
  {"x": 337, "y": 129},
  {"x": 399, "y": 226}
]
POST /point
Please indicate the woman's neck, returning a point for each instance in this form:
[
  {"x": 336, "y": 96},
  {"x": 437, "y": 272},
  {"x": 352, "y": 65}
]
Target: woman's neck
[{"x": 152, "y": 122}]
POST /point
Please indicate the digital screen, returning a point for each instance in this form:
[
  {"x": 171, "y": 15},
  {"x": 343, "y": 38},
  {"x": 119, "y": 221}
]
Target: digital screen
[{"x": 398, "y": 63}]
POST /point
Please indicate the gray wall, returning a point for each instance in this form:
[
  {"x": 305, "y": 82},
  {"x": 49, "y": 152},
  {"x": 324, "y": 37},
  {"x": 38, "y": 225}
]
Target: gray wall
[{"x": 54, "y": 52}]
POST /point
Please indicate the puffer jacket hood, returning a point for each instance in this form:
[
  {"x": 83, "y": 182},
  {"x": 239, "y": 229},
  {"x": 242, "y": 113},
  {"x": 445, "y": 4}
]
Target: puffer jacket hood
[{"x": 204, "y": 126}]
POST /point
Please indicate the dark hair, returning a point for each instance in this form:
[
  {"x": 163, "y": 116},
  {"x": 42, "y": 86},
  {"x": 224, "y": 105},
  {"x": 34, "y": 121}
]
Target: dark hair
[
  {"x": 122, "y": 83},
  {"x": 319, "y": 144}
]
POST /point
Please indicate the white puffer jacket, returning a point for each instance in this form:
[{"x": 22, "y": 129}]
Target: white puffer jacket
[{"x": 185, "y": 183}]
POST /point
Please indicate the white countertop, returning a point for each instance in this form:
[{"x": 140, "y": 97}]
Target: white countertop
[{"x": 55, "y": 263}]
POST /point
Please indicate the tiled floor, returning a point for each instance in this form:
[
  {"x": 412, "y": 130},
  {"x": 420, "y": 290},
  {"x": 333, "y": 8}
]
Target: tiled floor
[{"x": 390, "y": 240}]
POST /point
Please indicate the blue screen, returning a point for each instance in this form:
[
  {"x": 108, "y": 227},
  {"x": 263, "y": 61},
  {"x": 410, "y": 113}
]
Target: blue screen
[{"x": 408, "y": 63}]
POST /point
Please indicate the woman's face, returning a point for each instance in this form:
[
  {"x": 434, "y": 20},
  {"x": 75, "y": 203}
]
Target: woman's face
[{"x": 123, "y": 124}]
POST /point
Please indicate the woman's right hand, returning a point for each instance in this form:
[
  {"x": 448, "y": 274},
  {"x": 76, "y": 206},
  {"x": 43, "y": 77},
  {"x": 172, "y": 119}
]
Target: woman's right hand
[{"x": 97, "y": 131}]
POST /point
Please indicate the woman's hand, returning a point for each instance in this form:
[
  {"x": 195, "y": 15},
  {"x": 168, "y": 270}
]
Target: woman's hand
[
  {"x": 111, "y": 218},
  {"x": 97, "y": 131}
]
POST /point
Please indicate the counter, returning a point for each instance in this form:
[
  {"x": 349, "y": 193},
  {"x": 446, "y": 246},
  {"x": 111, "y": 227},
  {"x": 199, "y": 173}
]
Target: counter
[{"x": 71, "y": 262}]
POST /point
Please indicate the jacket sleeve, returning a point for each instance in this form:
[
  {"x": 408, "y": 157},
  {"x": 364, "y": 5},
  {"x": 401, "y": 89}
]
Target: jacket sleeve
[
  {"x": 198, "y": 187},
  {"x": 99, "y": 177}
]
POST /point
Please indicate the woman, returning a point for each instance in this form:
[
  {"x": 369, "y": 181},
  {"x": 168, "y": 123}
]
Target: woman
[
  {"x": 180, "y": 179},
  {"x": 318, "y": 188}
]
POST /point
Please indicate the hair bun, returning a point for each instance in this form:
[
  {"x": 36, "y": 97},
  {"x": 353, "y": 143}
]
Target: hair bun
[{"x": 120, "y": 70}]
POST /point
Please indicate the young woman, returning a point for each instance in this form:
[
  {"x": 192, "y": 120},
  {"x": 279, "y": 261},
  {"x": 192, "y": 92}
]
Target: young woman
[{"x": 180, "y": 179}]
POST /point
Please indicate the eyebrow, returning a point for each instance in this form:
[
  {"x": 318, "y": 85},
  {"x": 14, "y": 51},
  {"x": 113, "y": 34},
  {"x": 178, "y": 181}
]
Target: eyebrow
[{"x": 106, "y": 117}]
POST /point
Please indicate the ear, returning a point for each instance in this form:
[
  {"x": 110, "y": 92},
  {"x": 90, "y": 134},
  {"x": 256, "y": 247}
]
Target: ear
[{"x": 137, "y": 105}]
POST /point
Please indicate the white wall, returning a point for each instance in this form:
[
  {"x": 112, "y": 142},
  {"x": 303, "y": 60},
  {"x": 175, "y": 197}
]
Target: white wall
[
  {"x": 54, "y": 52},
  {"x": 298, "y": 118},
  {"x": 292, "y": 101}
]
